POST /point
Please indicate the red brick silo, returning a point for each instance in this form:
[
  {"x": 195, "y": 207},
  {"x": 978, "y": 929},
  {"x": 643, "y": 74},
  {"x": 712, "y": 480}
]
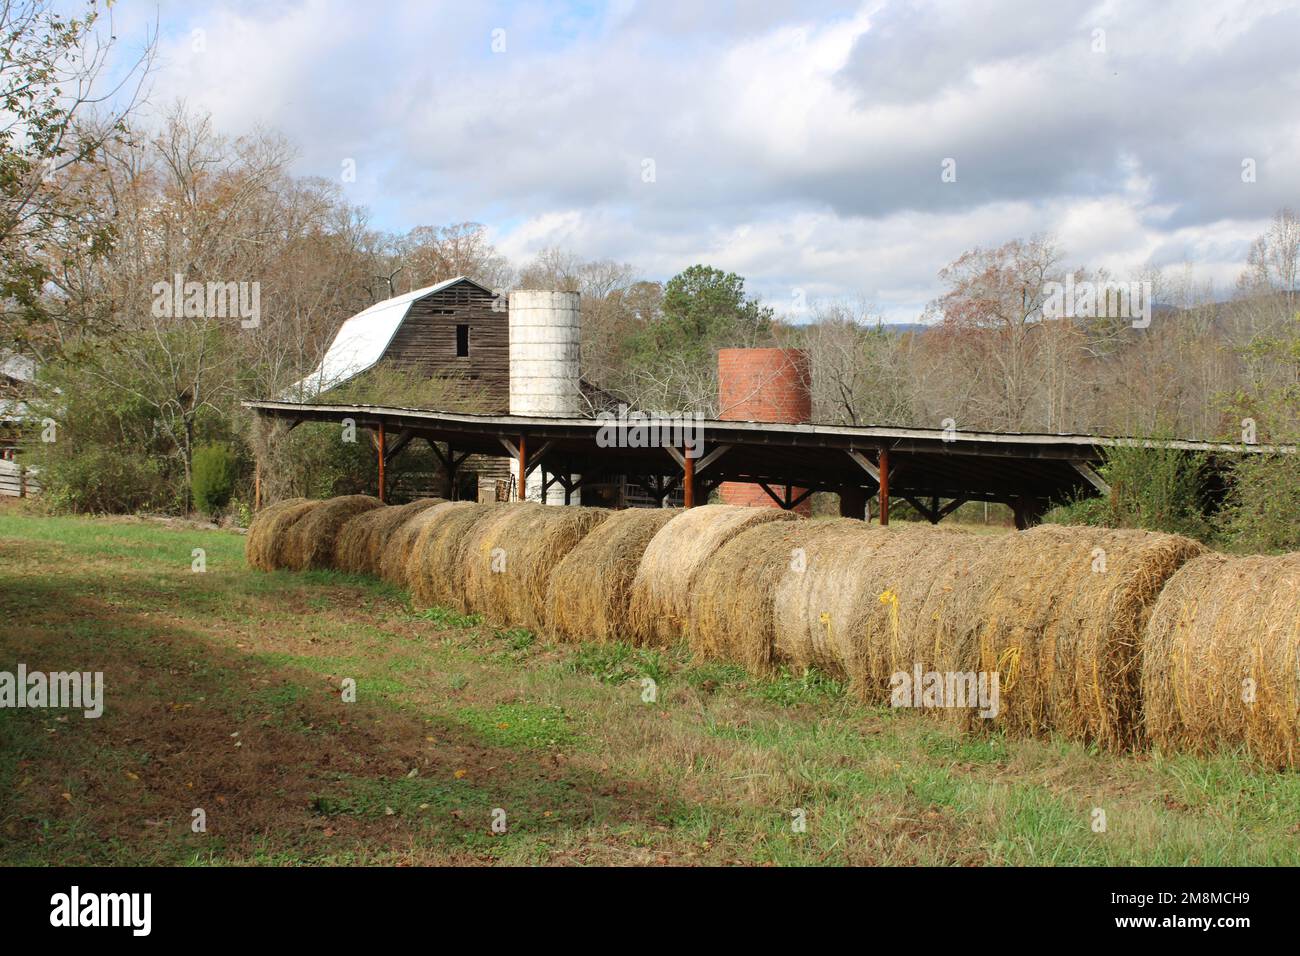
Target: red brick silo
[{"x": 763, "y": 385}]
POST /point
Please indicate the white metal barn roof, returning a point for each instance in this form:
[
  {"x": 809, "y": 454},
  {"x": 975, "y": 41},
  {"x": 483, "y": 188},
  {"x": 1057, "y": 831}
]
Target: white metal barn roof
[{"x": 361, "y": 341}]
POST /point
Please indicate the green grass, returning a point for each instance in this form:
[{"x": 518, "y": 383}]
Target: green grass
[{"x": 224, "y": 690}]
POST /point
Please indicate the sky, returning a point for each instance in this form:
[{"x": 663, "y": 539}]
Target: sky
[{"x": 823, "y": 150}]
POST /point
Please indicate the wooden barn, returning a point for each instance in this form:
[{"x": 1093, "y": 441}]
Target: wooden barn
[{"x": 457, "y": 330}]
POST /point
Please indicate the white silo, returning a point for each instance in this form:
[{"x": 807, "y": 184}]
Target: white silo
[{"x": 544, "y": 332}]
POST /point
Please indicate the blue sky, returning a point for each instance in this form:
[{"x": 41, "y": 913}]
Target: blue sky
[{"x": 798, "y": 143}]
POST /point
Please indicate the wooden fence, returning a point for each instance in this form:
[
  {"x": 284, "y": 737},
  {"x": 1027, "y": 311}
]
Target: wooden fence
[{"x": 16, "y": 480}]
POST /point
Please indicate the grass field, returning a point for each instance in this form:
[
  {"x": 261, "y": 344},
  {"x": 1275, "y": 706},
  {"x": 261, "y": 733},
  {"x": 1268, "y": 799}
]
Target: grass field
[{"x": 223, "y": 694}]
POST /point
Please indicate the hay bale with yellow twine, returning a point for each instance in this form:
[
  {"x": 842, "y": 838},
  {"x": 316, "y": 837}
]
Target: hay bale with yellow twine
[
  {"x": 661, "y": 591},
  {"x": 510, "y": 560},
  {"x": 268, "y": 533},
  {"x": 751, "y": 598},
  {"x": 590, "y": 589},
  {"x": 904, "y": 619},
  {"x": 435, "y": 572},
  {"x": 363, "y": 539},
  {"x": 1221, "y": 658},
  {"x": 1059, "y": 614},
  {"x": 394, "y": 562}
]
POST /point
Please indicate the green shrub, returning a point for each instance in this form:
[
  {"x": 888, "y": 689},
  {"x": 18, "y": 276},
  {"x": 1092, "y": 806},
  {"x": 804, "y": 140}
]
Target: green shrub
[
  {"x": 1155, "y": 489},
  {"x": 102, "y": 480},
  {"x": 1263, "y": 508},
  {"x": 214, "y": 472}
]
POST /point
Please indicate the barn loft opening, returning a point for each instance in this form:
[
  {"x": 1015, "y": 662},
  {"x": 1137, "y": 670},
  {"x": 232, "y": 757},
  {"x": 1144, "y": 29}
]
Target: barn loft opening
[{"x": 462, "y": 341}]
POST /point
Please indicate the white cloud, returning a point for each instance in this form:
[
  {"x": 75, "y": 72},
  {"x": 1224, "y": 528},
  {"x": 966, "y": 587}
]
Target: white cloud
[{"x": 799, "y": 145}]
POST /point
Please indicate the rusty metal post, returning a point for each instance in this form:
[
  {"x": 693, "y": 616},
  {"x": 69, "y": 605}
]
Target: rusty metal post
[
  {"x": 382, "y": 497},
  {"x": 884, "y": 486},
  {"x": 688, "y": 479}
]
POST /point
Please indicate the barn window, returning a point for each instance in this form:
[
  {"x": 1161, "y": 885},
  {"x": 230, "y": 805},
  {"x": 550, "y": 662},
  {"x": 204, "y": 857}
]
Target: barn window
[{"x": 462, "y": 341}]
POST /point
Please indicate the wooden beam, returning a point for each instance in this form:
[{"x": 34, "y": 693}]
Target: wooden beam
[
  {"x": 688, "y": 479},
  {"x": 951, "y": 506},
  {"x": 930, "y": 514},
  {"x": 884, "y": 486},
  {"x": 509, "y": 446},
  {"x": 523, "y": 467},
  {"x": 404, "y": 438},
  {"x": 382, "y": 496},
  {"x": 711, "y": 457},
  {"x": 865, "y": 463},
  {"x": 1091, "y": 476},
  {"x": 537, "y": 455},
  {"x": 676, "y": 456},
  {"x": 772, "y": 494},
  {"x": 800, "y": 499}
]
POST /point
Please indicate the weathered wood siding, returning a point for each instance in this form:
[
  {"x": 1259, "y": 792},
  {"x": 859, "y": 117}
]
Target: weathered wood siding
[
  {"x": 426, "y": 342},
  {"x": 17, "y": 481}
]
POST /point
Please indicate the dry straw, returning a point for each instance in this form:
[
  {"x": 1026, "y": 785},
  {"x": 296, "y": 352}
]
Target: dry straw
[
  {"x": 396, "y": 556},
  {"x": 435, "y": 572},
  {"x": 590, "y": 589},
  {"x": 665, "y": 580},
  {"x": 309, "y": 543},
  {"x": 267, "y": 535},
  {"x": 511, "y": 560},
  {"x": 1221, "y": 662},
  {"x": 362, "y": 540},
  {"x": 904, "y": 619},
  {"x": 823, "y": 616},
  {"x": 735, "y": 597},
  {"x": 1059, "y": 614}
]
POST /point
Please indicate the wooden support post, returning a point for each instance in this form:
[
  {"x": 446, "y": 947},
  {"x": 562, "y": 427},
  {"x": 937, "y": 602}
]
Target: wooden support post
[
  {"x": 257, "y": 486},
  {"x": 853, "y": 502},
  {"x": 523, "y": 467},
  {"x": 688, "y": 477},
  {"x": 382, "y": 496},
  {"x": 884, "y": 486}
]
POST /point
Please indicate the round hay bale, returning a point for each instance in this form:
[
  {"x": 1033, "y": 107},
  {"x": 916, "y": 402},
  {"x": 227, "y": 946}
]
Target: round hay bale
[
  {"x": 665, "y": 579},
  {"x": 904, "y": 615},
  {"x": 362, "y": 539},
  {"x": 733, "y": 607},
  {"x": 396, "y": 555},
  {"x": 590, "y": 589},
  {"x": 268, "y": 534},
  {"x": 816, "y": 613},
  {"x": 309, "y": 544},
  {"x": 1221, "y": 622},
  {"x": 436, "y": 570},
  {"x": 1059, "y": 613},
  {"x": 511, "y": 560}
]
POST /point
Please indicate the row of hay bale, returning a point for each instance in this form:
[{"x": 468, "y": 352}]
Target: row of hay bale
[{"x": 1117, "y": 637}]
